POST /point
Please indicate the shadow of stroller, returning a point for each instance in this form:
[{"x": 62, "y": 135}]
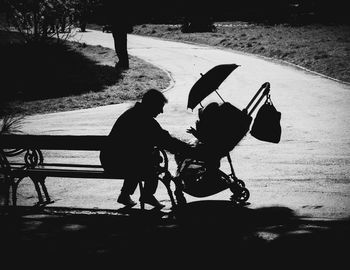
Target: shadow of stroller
[
  {"x": 209, "y": 214},
  {"x": 219, "y": 229}
]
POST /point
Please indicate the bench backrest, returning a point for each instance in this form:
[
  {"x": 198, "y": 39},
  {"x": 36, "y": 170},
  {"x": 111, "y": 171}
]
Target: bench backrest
[
  {"x": 52, "y": 142},
  {"x": 32, "y": 145}
]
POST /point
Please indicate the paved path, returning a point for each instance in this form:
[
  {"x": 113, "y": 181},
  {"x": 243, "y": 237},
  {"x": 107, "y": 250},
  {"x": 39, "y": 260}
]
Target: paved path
[{"x": 307, "y": 171}]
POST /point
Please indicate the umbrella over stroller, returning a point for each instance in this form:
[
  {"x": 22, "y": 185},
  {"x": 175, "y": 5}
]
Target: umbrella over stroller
[
  {"x": 221, "y": 126},
  {"x": 208, "y": 83}
]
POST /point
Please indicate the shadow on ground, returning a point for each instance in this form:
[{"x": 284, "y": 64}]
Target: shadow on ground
[
  {"x": 39, "y": 71},
  {"x": 199, "y": 234}
]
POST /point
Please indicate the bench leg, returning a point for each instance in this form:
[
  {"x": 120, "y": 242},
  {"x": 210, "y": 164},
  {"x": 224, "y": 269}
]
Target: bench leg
[
  {"x": 14, "y": 185},
  {"x": 142, "y": 204},
  {"x": 7, "y": 187},
  {"x": 44, "y": 188},
  {"x": 166, "y": 180},
  {"x": 38, "y": 191},
  {"x": 41, "y": 181}
]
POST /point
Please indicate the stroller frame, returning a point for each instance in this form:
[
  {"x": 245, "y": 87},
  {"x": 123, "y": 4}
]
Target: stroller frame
[
  {"x": 237, "y": 186},
  {"x": 240, "y": 194}
]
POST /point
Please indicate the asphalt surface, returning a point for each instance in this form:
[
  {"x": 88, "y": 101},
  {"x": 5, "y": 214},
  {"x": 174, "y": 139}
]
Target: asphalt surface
[
  {"x": 307, "y": 171},
  {"x": 300, "y": 195}
]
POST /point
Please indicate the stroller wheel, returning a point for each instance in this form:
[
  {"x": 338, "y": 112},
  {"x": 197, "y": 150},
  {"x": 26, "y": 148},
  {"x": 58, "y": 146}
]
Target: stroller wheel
[
  {"x": 241, "y": 195},
  {"x": 237, "y": 181},
  {"x": 240, "y": 183}
]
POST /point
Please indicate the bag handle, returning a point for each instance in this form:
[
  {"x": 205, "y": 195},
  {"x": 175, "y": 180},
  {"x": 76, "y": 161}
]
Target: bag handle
[
  {"x": 268, "y": 99},
  {"x": 266, "y": 88}
]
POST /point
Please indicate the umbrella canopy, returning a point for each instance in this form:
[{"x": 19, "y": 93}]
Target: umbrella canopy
[{"x": 208, "y": 83}]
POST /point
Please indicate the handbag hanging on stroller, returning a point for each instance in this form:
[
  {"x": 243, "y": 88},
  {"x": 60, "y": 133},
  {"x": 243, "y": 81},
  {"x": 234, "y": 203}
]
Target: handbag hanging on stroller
[{"x": 266, "y": 126}]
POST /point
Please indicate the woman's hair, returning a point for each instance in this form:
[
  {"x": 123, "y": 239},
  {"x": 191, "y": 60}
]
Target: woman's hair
[{"x": 153, "y": 96}]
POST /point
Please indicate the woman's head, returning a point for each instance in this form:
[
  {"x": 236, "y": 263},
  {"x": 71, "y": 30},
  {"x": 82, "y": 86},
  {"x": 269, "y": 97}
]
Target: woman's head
[{"x": 154, "y": 101}]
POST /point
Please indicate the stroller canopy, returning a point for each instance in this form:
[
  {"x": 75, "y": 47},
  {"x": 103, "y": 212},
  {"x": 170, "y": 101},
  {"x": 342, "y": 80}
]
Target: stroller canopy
[{"x": 222, "y": 126}]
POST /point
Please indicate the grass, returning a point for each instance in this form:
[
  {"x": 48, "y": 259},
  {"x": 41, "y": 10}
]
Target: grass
[
  {"x": 75, "y": 76},
  {"x": 321, "y": 48},
  {"x": 70, "y": 76}
]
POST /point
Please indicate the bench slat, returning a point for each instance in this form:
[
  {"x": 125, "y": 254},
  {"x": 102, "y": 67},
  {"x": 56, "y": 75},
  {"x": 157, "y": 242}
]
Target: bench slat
[
  {"x": 19, "y": 164},
  {"x": 64, "y": 173}
]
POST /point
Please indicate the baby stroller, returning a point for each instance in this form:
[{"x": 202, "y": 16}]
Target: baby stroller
[{"x": 201, "y": 176}]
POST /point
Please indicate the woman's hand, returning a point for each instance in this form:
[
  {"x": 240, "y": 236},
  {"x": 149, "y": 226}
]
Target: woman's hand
[{"x": 192, "y": 131}]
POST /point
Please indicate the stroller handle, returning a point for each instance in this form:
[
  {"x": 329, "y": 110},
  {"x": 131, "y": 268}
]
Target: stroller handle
[{"x": 266, "y": 87}]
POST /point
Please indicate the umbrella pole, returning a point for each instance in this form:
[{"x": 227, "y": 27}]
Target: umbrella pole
[{"x": 219, "y": 96}]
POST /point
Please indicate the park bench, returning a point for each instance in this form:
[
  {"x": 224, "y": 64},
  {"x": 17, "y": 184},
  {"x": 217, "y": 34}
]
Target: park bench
[{"x": 23, "y": 156}]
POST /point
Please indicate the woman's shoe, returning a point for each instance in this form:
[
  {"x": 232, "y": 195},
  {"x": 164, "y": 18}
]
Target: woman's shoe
[
  {"x": 151, "y": 200},
  {"x": 126, "y": 200}
]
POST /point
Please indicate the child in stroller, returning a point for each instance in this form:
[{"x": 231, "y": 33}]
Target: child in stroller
[{"x": 201, "y": 176}]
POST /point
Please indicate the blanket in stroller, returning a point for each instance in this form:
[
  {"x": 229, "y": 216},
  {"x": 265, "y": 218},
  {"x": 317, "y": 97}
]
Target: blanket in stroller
[{"x": 221, "y": 127}]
